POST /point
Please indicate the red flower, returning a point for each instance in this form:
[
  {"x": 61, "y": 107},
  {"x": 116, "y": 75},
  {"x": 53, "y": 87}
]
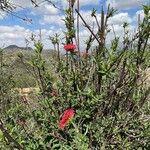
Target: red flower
[
  {"x": 70, "y": 47},
  {"x": 66, "y": 117}
]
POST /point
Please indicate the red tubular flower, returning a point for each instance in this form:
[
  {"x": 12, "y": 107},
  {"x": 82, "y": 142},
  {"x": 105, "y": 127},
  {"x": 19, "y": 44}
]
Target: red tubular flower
[
  {"x": 70, "y": 47},
  {"x": 66, "y": 117}
]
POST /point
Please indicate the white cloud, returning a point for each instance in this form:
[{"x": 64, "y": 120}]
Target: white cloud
[
  {"x": 13, "y": 35},
  {"x": 48, "y": 6},
  {"x": 10, "y": 35},
  {"x": 45, "y": 9},
  {"x": 82, "y": 2},
  {"x": 52, "y": 19},
  {"x": 120, "y": 18},
  {"x": 19, "y": 4},
  {"x": 89, "y": 2},
  {"x": 58, "y": 19},
  {"x": 125, "y": 4},
  {"x": 51, "y": 10}
]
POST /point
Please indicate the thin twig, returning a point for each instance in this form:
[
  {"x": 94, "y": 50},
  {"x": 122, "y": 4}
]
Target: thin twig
[{"x": 88, "y": 26}]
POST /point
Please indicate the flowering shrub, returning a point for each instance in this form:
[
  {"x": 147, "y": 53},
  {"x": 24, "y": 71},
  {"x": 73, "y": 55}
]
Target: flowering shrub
[{"x": 108, "y": 107}]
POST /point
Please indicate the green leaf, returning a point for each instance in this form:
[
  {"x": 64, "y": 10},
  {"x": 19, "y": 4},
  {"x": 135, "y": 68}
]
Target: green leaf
[{"x": 1, "y": 135}]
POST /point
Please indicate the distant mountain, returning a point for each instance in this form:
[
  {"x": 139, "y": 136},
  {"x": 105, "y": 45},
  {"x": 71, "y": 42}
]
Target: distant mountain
[{"x": 15, "y": 47}]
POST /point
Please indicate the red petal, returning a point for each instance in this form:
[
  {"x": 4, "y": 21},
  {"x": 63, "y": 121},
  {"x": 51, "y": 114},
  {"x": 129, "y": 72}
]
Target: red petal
[
  {"x": 67, "y": 115},
  {"x": 70, "y": 47}
]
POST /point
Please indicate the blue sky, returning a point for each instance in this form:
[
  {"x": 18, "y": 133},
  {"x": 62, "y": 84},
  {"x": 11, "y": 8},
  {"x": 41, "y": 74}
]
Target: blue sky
[{"x": 49, "y": 19}]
